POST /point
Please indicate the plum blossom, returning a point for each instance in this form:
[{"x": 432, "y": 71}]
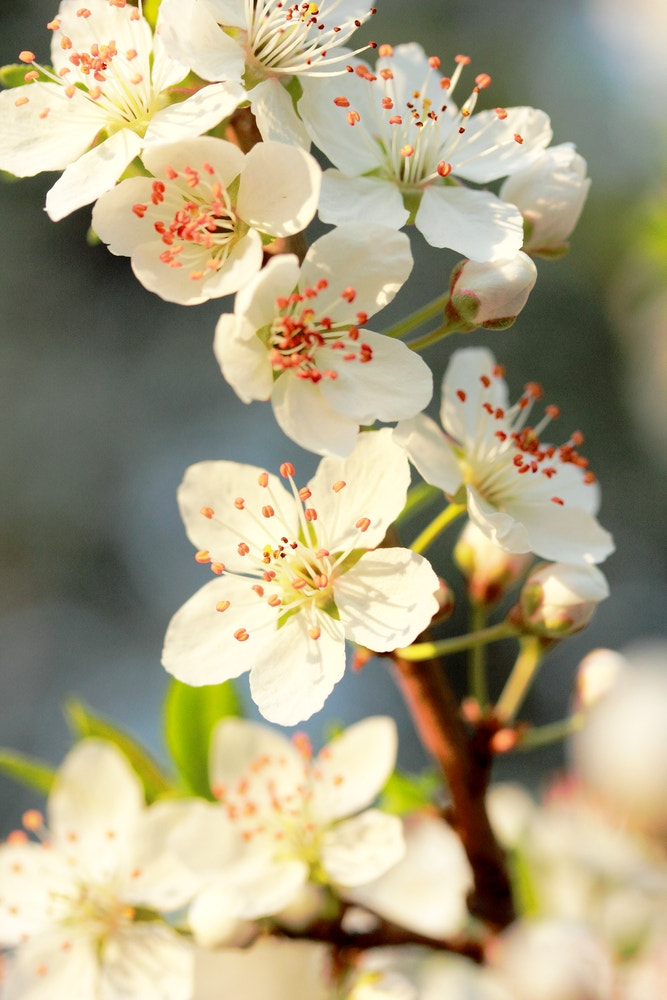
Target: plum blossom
[
  {"x": 109, "y": 98},
  {"x": 265, "y": 45},
  {"x": 523, "y": 495},
  {"x": 401, "y": 149},
  {"x": 299, "y": 817},
  {"x": 297, "y": 336},
  {"x": 550, "y": 194},
  {"x": 70, "y": 906},
  {"x": 194, "y": 230},
  {"x": 295, "y": 575}
]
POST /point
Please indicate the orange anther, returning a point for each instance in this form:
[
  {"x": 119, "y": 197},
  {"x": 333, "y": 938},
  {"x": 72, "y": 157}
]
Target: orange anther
[
  {"x": 207, "y": 512},
  {"x": 203, "y": 556}
]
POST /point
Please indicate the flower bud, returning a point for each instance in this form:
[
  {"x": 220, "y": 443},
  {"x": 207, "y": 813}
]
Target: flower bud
[
  {"x": 489, "y": 571},
  {"x": 558, "y": 599},
  {"x": 596, "y": 674},
  {"x": 550, "y": 195},
  {"x": 491, "y": 294}
]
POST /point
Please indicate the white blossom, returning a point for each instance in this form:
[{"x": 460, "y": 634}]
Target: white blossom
[
  {"x": 109, "y": 99},
  {"x": 194, "y": 230},
  {"x": 70, "y": 906},
  {"x": 525, "y": 496},
  {"x": 264, "y": 45},
  {"x": 296, "y": 576},
  {"x": 298, "y": 337},
  {"x": 401, "y": 149},
  {"x": 299, "y": 818}
]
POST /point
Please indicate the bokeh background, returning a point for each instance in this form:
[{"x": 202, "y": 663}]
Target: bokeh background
[{"x": 108, "y": 393}]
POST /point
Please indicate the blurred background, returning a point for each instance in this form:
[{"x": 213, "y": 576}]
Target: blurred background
[{"x": 108, "y": 393}]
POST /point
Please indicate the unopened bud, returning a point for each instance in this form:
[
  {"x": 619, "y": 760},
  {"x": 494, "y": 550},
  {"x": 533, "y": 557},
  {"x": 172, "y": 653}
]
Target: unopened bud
[
  {"x": 558, "y": 599},
  {"x": 491, "y": 294},
  {"x": 489, "y": 571},
  {"x": 550, "y": 195}
]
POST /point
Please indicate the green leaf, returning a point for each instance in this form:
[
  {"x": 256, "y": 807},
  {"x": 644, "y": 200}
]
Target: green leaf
[
  {"x": 85, "y": 723},
  {"x": 14, "y": 74},
  {"x": 405, "y": 793},
  {"x": 190, "y": 713},
  {"x": 27, "y": 771}
]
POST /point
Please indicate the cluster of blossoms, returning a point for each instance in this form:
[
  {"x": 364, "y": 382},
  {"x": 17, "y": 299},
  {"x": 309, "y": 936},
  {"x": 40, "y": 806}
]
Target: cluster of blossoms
[{"x": 189, "y": 124}]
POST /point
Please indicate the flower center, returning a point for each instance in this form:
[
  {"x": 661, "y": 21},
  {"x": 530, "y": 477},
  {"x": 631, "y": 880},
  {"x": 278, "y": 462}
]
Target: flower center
[
  {"x": 292, "y": 575},
  {"x": 298, "y": 333}
]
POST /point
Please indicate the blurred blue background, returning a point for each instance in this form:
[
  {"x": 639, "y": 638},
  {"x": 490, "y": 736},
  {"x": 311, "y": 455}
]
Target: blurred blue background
[{"x": 108, "y": 393}]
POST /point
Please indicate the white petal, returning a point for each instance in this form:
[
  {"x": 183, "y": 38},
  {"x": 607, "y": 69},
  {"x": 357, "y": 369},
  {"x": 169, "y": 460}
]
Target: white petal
[
  {"x": 148, "y": 961},
  {"x": 226, "y": 159},
  {"x": 114, "y": 221},
  {"x": 210, "y": 918},
  {"x": 377, "y": 476},
  {"x": 36, "y": 886},
  {"x": 30, "y": 143},
  {"x": 430, "y": 452},
  {"x": 354, "y": 768},
  {"x": 276, "y": 116},
  {"x": 272, "y": 969},
  {"x": 353, "y": 150},
  {"x": 92, "y": 174},
  {"x": 106, "y": 21},
  {"x": 200, "y": 646},
  {"x": 395, "y": 384},
  {"x": 256, "y": 301},
  {"x": 387, "y": 598},
  {"x": 243, "y": 358},
  {"x": 218, "y": 485},
  {"x": 197, "y": 114},
  {"x": 563, "y": 533},
  {"x": 489, "y": 149},
  {"x": 477, "y": 224},
  {"x": 304, "y": 414},
  {"x": 293, "y": 681},
  {"x": 462, "y": 418},
  {"x": 237, "y": 744},
  {"x": 372, "y": 259},
  {"x": 359, "y": 850},
  {"x": 500, "y": 527},
  {"x": 191, "y": 34},
  {"x": 370, "y": 199},
  {"x": 94, "y": 807},
  {"x": 289, "y": 202},
  {"x": 157, "y": 878},
  {"x": 207, "y": 840},
  {"x": 53, "y": 965},
  {"x": 426, "y": 890}
]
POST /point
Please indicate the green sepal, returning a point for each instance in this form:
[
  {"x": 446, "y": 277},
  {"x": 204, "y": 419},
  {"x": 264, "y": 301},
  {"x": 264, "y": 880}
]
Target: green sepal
[
  {"x": 13, "y": 75},
  {"x": 190, "y": 714},
  {"x": 27, "y": 771},
  {"x": 84, "y": 723},
  {"x": 405, "y": 793},
  {"x": 149, "y": 9}
]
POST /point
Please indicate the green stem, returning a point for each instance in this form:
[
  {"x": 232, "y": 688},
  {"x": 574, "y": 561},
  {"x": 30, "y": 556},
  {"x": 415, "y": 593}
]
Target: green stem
[
  {"x": 531, "y": 654},
  {"x": 457, "y": 644},
  {"x": 477, "y": 659},
  {"x": 437, "y": 526},
  {"x": 434, "y": 336},
  {"x": 553, "y": 732},
  {"x": 416, "y": 319}
]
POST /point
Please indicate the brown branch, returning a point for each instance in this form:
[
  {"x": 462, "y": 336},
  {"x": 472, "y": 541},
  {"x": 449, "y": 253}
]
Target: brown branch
[{"x": 465, "y": 759}]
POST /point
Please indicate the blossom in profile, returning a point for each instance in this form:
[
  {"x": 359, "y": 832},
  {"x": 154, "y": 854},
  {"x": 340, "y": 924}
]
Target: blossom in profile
[
  {"x": 298, "y": 336},
  {"x": 525, "y": 496},
  {"x": 194, "y": 231},
  {"x": 402, "y": 149},
  {"x": 295, "y": 575},
  {"x": 550, "y": 194},
  {"x": 264, "y": 45},
  {"x": 110, "y": 96},
  {"x": 81, "y": 909},
  {"x": 300, "y": 817}
]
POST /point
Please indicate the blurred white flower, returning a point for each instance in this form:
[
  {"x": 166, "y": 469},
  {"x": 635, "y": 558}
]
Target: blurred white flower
[
  {"x": 299, "y": 818},
  {"x": 70, "y": 905},
  {"x": 108, "y": 99},
  {"x": 194, "y": 230},
  {"x": 489, "y": 571},
  {"x": 269, "y": 970},
  {"x": 400, "y": 146},
  {"x": 296, "y": 576},
  {"x": 523, "y": 495},
  {"x": 297, "y": 336}
]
